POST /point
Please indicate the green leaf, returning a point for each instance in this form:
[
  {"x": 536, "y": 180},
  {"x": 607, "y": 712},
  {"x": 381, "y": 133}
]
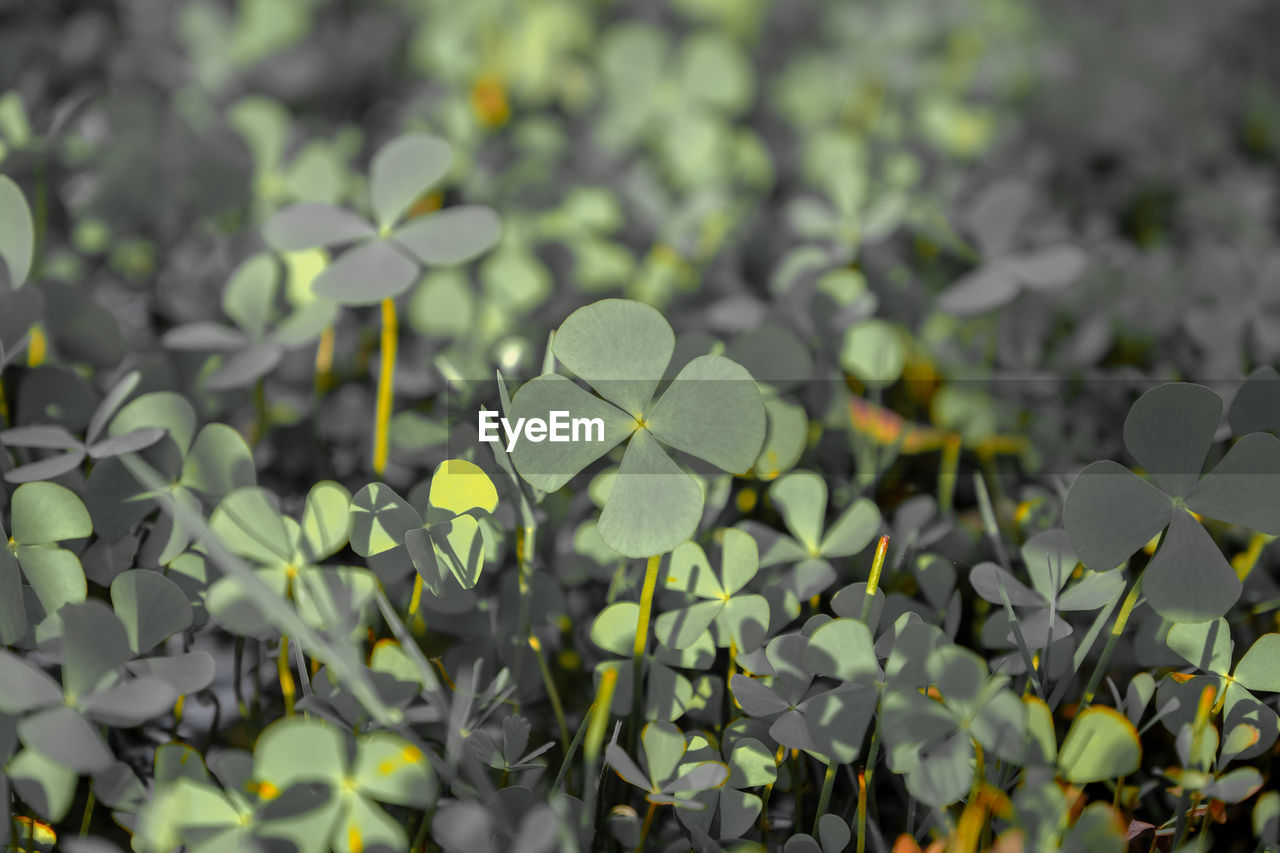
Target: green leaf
[
  {"x": 312, "y": 224},
  {"x": 1259, "y": 669},
  {"x": 712, "y": 410},
  {"x": 380, "y": 519},
  {"x": 55, "y": 575},
  {"x": 654, "y": 506},
  {"x": 852, "y": 531},
  {"x": 549, "y": 465},
  {"x": 689, "y": 570},
  {"x": 664, "y": 746},
  {"x": 44, "y": 513},
  {"x": 681, "y": 628},
  {"x": 987, "y": 579},
  {"x": 94, "y": 643},
  {"x": 1169, "y": 431},
  {"x": 1205, "y": 645},
  {"x": 1110, "y": 513},
  {"x": 392, "y": 770},
  {"x": 986, "y": 288},
  {"x": 151, "y": 606},
  {"x": 1102, "y": 744},
  {"x": 404, "y": 169},
  {"x": 461, "y": 487},
  {"x": 365, "y": 824},
  {"x": 300, "y": 749},
  {"x": 844, "y": 649},
  {"x": 248, "y": 523},
  {"x": 23, "y": 687},
  {"x": 366, "y": 275},
  {"x": 614, "y": 630},
  {"x": 746, "y": 619},
  {"x": 627, "y": 769},
  {"x": 755, "y": 698},
  {"x": 1256, "y": 407},
  {"x": 130, "y": 703},
  {"x": 1188, "y": 580},
  {"x": 66, "y": 738},
  {"x": 704, "y": 776},
  {"x": 13, "y": 615},
  {"x": 164, "y": 409},
  {"x": 1244, "y": 488},
  {"x": 42, "y": 783},
  {"x": 1050, "y": 560},
  {"x": 873, "y": 352},
  {"x": 620, "y": 347},
  {"x": 801, "y": 498},
  {"x": 455, "y": 235},
  {"x": 185, "y": 673},
  {"x": 326, "y": 520},
  {"x": 17, "y": 232},
  {"x": 250, "y": 295}
]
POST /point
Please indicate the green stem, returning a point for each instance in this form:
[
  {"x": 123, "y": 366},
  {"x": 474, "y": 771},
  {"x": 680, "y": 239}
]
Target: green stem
[
  {"x": 948, "y": 469},
  {"x": 552, "y": 693},
  {"x": 88, "y": 814},
  {"x": 386, "y": 380},
  {"x": 642, "y": 644},
  {"x": 824, "y": 798},
  {"x": 644, "y": 830},
  {"x": 262, "y": 418},
  {"x": 1122, "y": 619}
]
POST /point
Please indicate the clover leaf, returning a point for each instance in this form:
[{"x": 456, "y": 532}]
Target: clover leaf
[
  {"x": 1208, "y": 647},
  {"x": 741, "y": 619},
  {"x": 668, "y": 694},
  {"x": 1110, "y": 512},
  {"x": 250, "y": 350},
  {"x": 995, "y": 219},
  {"x": 805, "y": 713},
  {"x": 1050, "y": 561},
  {"x": 287, "y": 553},
  {"x": 751, "y": 765},
  {"x": 43, "y": 515},
  {"x": 445, "y": 540},
  {"x": 380, "y": 767},
  {"x": 200, "y": 465},
  {"x": 17, "y": 232},
  {"x": 801, "y": 499},
  {"x": 94, "y": 445},
  {"x": 1101, "y": 744},
  {"x": 385, "y": 254},
  {"x": 711, "y": 410},
  {"x": 661, "y": 775},
  {"x": 931, "y": 740},
  {"x": 58, "y": 719}
]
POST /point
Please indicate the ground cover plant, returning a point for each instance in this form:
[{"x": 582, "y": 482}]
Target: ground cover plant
[{"x": 917, "y": 371}]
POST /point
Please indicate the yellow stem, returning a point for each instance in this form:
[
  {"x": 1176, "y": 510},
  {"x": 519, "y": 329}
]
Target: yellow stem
[
  {"x": 324, "y": 361},
  {"x": 38, "y": 348},
  {"x": 873, "y": 582},
  {"x": 553, "y": 695},
  {"x": 599, "y": 713},
  {"x": 386, "y": 379},
  {"x": 287, "y": 687}
]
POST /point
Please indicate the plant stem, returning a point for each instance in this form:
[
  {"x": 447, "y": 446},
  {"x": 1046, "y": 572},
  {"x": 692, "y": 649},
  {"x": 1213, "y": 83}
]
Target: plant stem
[
  {"x": 88, "y": 814},
  {"x": 386, "y": 379},
  {"x": 873, "y": 582},
  {"x": 287, "y": 688},
  {"x": 324, "y": 362},
  {"x": 862, "y": 811},
  {"x": 1122, "y": 619},
  {"x": 947, "y": 472},
  {"x": 641, "y": 644},
  {"x": 648, "y": 822},
  {"x": 824, "y": 798},
  {"x": 552, "y": 694}
]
